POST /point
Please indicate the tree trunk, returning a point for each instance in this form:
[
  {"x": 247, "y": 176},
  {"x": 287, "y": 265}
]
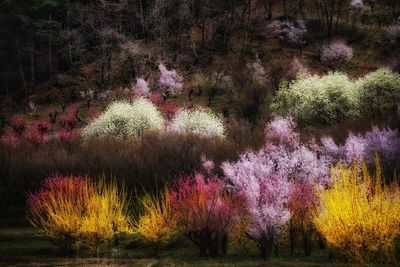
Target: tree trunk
[
  {"x": 20, "y": 65},
  {"x": 292, "y": 237},
  {"x": 50, "y": 53},
  {"x": 266, "y": 245},
  {"x": 32, "y": 65},
  {"x": 3, "y": 68}
]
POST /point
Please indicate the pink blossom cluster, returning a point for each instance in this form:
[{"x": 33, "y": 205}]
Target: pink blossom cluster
[
  {"x": 394, "y": 32},
  {"x": 208, "y": 165},
  {"x": 36, "y": 132},
  {"x": 258, "y": 71},
  {"x": 171, "y": 83},
  {"x": 141, "y": 88},
  {"x": 281, "y": 131},
  {"x": 296, "y": 69},
  {"x": 385, "y": 142},
  {"x": 290, "y": 32},
  {"x": 358, "y": 4},
  {"x": 276, "y": 176},
  {"x": 205, "y": 210},
  {"x": 336, "y": 54},
  {"x": 170, "y": 109}
]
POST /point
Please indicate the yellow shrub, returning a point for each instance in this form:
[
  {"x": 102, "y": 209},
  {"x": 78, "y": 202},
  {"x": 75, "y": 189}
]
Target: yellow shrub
[
  {"x": 157, "y": 222},
  {"x": 106, "y": 216},
  {"x": 239, "y": 238},
  {"x": 360, "y": 215},
  {"x": 76, "y": 212}
]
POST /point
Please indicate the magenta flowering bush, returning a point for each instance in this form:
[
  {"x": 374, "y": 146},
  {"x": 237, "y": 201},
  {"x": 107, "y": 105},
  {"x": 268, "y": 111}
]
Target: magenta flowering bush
[
  {"x": 19, "y": 125},
  {"x": 205, "y": 212}
]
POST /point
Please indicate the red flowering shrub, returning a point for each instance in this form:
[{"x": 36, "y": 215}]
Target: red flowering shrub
[
  {"x": 19, "y": 124},
  {"x": 42, "y": 126},
  {"x": 66, "y": 135},
  {"x": 156, "y": 98},
  {"x": 170, "y": 109},
  {"x": 206, "y": 211}
]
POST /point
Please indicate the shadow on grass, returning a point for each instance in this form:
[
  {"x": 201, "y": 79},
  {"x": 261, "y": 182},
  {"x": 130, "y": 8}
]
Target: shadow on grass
[{"x": 22, "y": 247}]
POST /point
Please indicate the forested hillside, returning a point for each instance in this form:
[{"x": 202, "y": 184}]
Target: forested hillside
[{"x": 199, "y": 132}]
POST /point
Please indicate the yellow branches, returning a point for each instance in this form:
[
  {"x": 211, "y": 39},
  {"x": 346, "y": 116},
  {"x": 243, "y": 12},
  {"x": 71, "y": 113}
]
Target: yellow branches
[
  {"x": 157, "y": 222},
  {"x": 76, "y": 212},
  {"x": 360, "y": 215}
]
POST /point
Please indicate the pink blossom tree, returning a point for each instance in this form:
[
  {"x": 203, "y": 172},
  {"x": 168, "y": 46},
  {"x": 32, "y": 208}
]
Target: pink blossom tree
[
  {"x": 290, "y": 32},
  {"x": 141, "y": 88},
  {"x": 336, "y": 54},
  {"x": 393, "y": 33},
  {"x": 385, "y": 142},
  {"x": 258, "y": 71},
  {"x": 296, "y": 70},
  {"x": 266, "y": 178},
  {"x": 171, "y": 83},
  {"x": 266, "y": 196},
  {"x": 356, "y": 9}
]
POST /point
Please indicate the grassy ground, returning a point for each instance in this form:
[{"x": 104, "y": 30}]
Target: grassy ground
[{"x": 22, "y": 247}]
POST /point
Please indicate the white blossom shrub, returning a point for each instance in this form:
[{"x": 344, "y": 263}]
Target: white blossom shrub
[
  {"x": 201, "y": 121},
  {"x": 379, "y": 92},
  {"x": 123, "y": 120},
  {"x": 317, "y": 101}
]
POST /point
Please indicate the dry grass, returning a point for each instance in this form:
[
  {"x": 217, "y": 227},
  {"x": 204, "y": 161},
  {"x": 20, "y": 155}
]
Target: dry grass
[{"x": 147, "y": 163}]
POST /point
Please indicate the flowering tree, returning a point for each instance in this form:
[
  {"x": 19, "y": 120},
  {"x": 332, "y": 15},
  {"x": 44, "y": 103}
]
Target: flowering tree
[
  {"x": 356, "y": 9},
  {"x": 169, "y": 109},
  {"x": 206, "y": 212},
  {"x": 393, "y": 33},
  {"x": 15, "y": 134},
  {"x": 266, "y": 179},
  {"x": 296, "y": 69},
  {"x": 258, "y": 71},
  {"x": 141, "y": 88},
  {"x": 18, "y": 125},
  {"x": 385, "y": 142},
  {"x": 37, "y": 132},
  {"x": 171, "y": 83},
  {"x": 208, "y": 165},
  {"x": 266, "y": 197},
  {"x": 336, "y": 54},
  {"x": 290, "y": 32}
]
